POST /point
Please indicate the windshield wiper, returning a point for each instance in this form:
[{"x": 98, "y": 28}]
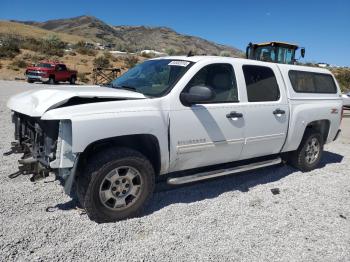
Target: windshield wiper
[{"x": 130, "y": 88}]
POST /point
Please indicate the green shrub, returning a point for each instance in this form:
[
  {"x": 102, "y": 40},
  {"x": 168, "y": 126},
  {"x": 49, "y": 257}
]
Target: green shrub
[
  {"x": 27, "y": 56},
  {"x": 9, "y": 47},
  {"x": 343, "y": 78},
  {"x": 107, "y": 55},
  {"x": 17, "y": 64},
  {"x": 121, "y": 47},
  {"x": 32, "y": 44},
  {"x": 50, "y": 46},
  {"x": 53, "y": 46},
  {"x": 131, "y": 61},
  {"x": 170, "y": 51},
  {"x": 81, "y": 48},
  {"x": 101, "y": 62},
  {"x": 20, "y": 63}
]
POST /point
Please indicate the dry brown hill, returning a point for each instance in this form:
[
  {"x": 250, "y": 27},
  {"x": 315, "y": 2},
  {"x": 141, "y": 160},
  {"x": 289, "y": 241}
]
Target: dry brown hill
[
  {"x": 13, "y": 28},
  {"x": 135, "y": 38}
]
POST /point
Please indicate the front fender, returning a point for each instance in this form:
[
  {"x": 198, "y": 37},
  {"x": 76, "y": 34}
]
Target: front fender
[{"x": 92, "y": 127}]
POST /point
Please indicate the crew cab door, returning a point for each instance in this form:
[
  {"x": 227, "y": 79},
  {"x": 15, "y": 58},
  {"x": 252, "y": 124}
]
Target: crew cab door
[
  {"x": 61, "y": 73},
  {"x": 266, "y": 109},
  {"x": 212, "y": 132}
]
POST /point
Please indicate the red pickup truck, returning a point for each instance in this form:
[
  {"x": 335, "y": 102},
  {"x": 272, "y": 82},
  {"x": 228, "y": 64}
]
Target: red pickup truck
[{"x": 50, "y": 72}]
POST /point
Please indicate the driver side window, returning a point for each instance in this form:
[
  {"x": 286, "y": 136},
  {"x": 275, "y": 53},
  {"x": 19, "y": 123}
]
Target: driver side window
[{"x": 221, "y": 79}]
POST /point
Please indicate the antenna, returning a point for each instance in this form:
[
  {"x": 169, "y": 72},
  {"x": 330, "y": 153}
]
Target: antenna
[{"x": 190, "y": 53}]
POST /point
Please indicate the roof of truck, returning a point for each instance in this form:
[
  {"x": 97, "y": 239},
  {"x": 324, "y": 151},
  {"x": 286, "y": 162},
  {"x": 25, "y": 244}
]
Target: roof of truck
[
  {"x": 196, "y": 59},
  {"x": 275, "y": 42}
]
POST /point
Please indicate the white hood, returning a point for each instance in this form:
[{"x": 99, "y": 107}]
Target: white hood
[{"x": 36, "y": 102}]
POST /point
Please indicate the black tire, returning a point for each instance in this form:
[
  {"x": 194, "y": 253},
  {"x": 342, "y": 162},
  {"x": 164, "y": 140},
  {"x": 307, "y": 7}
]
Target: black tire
[
  {"x": 72, "y": 80},
  {"x": 30, "y": 81},
  {"x": 91, "y": 181},
  {"x": 51, "y": 80},
  {"x": 300, "y": 158}
]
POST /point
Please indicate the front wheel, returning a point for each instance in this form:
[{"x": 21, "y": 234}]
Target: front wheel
[
  {"x": 51, "y": 80},
  {"x": 115, "y": 185},
  {"x": 308, "y": 155}
]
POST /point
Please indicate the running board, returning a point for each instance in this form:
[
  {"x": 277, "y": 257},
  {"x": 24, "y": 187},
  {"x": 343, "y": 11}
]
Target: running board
[{"x": 222, "y": 172}]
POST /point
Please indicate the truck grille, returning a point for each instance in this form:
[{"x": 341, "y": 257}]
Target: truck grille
[{"x": 33, "y": 73}]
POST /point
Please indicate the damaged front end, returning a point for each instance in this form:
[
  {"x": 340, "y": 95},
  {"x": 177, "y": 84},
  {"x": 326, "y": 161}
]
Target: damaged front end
[{"x": 46, "y": 147}]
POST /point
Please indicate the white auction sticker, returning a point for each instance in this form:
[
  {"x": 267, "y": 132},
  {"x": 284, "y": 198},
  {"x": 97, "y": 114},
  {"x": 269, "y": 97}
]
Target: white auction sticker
[{"x": 179, "y": 63}]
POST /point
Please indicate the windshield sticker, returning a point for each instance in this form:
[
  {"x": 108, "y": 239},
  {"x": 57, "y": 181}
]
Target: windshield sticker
[{"x": 179, "y": 63}]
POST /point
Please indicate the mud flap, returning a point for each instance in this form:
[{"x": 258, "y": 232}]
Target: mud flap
[{"x": 69, "y": 179}]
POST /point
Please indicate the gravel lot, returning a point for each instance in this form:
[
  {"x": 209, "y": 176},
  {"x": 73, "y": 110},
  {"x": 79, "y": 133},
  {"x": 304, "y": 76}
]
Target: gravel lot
[{"x": 232, "y": 218}]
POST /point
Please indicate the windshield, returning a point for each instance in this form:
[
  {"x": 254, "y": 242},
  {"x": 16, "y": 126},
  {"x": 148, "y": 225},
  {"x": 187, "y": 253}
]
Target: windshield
[
  {"x": 265, "y": 53},
  {"x": 45, "y": 65},
  {"x": 153, "y": 77}
]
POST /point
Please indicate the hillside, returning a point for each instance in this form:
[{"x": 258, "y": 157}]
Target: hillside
[
  {"x": 24, "y": 30},
  {"x": 134, "y": 38}
]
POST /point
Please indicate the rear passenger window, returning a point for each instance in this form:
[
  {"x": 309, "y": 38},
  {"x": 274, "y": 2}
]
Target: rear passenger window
[
  {"x": 261, "y": 83},
  {"x": 309, "y": 82}
]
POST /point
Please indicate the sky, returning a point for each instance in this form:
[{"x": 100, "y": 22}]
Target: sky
[{"x": 322, "y": 27}]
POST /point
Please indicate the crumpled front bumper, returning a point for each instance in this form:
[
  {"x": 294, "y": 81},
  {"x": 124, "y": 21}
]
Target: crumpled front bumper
[{"x": 46, "y": 147}]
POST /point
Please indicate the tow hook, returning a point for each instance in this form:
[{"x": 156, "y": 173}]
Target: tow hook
[
  {"x": 14, "y": 175},
  {"x": 15, "y": 149},
  {"x": 31, "y": 166}
]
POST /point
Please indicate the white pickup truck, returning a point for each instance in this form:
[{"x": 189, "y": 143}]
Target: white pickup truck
[{"x": 183, "y": 118}]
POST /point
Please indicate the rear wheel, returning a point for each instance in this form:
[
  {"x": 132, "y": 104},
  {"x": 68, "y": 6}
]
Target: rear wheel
[
  {"x": 72, "y": 80},
  {"x": 30, "y": 81},
  {"x": 115, "y": 185},
  {"x": 308, "y": 155}
]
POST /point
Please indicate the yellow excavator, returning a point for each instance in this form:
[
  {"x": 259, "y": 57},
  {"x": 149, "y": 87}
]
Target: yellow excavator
[{"x": 276, "y": 52}]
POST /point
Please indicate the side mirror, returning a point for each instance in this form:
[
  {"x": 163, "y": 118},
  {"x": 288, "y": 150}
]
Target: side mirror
[
  {"x": 196, "y": 95},
  {"x": 302, "y": 52}
]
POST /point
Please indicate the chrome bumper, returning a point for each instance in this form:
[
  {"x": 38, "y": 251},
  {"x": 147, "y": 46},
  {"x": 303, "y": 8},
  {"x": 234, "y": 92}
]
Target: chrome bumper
[{"x": 37, "y": 78}]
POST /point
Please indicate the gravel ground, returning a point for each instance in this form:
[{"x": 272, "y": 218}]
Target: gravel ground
[{"x": 232, "y": 218}]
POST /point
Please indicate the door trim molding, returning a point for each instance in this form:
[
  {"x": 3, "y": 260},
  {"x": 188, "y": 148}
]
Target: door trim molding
[
  {"x": 197, "y": 147},
  {"x": 263, "y": 138}
]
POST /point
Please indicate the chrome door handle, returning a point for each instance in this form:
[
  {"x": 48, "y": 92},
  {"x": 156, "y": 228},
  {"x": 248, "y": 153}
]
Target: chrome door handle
[
  {"x": 234, "y": 114},
  {"x": 279, "y": 112}
]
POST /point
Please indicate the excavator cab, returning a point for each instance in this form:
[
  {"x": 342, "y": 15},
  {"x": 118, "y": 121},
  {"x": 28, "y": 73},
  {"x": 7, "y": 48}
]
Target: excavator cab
[{"x": 276, "y": 52}]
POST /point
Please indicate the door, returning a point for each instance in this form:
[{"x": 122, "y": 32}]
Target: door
[
  {"x": 61, "y": 73},
  {"x": 266, "y": 111},
  {"x": 212, "y": 132}
]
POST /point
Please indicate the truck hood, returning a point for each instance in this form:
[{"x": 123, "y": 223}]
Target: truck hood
[
  {"x": 36, "y": 102},
  {"x": 36, "y": 68}
]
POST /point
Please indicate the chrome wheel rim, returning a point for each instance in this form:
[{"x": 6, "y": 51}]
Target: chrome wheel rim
[
  {"x": 120, "y": 188},
  {"x": 312, "y": 151}
]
